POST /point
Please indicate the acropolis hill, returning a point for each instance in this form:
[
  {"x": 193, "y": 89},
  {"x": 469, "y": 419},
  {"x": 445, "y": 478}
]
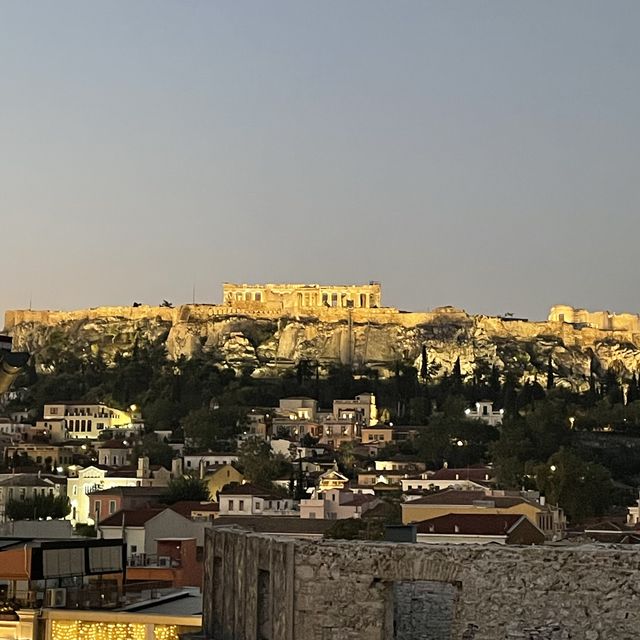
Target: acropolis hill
[{"x": 270, "y": 328}]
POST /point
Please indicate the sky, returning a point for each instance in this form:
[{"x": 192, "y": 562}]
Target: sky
[{"x": 483, "y": 154}]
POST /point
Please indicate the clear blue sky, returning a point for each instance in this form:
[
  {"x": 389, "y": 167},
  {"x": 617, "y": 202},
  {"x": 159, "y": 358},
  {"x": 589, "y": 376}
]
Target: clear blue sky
[{"x": 480, "y": 154}]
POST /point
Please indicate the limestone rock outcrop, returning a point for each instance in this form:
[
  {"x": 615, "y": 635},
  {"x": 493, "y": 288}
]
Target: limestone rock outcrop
[{"x": 374, "y": 338}]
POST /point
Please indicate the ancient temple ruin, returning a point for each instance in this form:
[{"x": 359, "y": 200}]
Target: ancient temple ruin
[{"x": 292, "y": 297}]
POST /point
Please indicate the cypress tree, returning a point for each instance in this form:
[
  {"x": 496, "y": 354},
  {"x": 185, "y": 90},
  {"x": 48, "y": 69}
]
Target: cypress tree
[
  {"x": 424, "y": 366},
  {"x": 456, "y": 377},
  {"x": 550, "y": 373}
]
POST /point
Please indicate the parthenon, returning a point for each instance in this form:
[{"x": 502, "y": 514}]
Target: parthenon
[{"x": 289, "y": 297}]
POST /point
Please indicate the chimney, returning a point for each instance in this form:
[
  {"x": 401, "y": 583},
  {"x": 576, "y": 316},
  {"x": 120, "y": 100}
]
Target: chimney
[
  {"x": 176, "y": 467},
  {"x": 143, "y": 467},
  {"x": 202, "y": 468},
  {"x": 542, "y": 501}
]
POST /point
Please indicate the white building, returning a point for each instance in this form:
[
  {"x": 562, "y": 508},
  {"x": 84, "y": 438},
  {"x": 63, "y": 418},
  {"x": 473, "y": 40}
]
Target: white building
[
  {"x": 95, "y": 479},
  {"x": 337, "y": 504},
  {"x": 26, "y": 486},
  {"x": 196, "y": 460},
  {"x": 249, "y": 500},
  {"x": 484, "y": 411}
]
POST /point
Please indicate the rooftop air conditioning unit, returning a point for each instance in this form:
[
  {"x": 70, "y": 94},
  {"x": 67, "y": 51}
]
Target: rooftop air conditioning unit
[{"x": 56, "y": 598}]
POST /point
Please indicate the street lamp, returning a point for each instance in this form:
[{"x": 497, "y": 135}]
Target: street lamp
[{"x": 553, "y": 468}]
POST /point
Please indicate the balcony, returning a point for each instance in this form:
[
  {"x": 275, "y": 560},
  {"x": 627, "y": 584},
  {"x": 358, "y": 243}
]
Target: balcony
[
  {"x": 106, "y": 595},
  {"x": 152, "y": 560}
]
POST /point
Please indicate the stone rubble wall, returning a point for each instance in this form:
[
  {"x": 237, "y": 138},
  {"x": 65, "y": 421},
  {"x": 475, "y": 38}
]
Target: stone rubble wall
[{"x": 339, "y": 589}]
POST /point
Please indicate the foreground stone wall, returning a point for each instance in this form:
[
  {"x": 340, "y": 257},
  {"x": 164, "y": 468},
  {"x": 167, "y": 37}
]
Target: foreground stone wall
[{"x": 274, "y": 589}]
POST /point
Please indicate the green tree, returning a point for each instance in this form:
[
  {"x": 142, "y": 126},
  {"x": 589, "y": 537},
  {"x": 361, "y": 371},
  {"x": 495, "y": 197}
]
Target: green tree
[
  {"x": 158, "y": 451},
  {"x": 260, "y": 465},
  {"x": 185, "y": 488},
  {"x": 39, "y": 507},
  {"x": 355, "y": 529},
  {"x": 205, "y": 427},
  {"x": 581, "y": 488}
]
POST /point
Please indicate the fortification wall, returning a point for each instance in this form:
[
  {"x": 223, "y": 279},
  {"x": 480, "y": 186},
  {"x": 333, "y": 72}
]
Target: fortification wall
[
  {"x": 603, "y": 320},
  {"x": 13, "y": 318},
  {"x": 266, "y": 587}
]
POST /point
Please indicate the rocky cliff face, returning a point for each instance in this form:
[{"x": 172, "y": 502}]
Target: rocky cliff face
[{"x": 264, "y": 342}]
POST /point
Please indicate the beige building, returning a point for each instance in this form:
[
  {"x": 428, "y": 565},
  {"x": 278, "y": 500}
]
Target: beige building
[
  {"x": 88, "y": 421},
  {"x": 51, "y": 455},
  {"x": 294, "y": 297},
  {"x": 332, "y": 479},
  {"x": 220, "y": 476},
  {"x": 550, "y": 520},
  {"x": 380, "y": 434},
  {"x": 362, "y": 410}
]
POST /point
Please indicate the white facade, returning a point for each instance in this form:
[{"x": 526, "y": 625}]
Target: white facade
[
  {"x": 94, "y": 479},
  {"x": 334, "y": 505},
  {"x": 143, "y": 538},
  {"x": 25, "y": 486},
  {"x": 250, "y": 505},
  {"x": 194, "y": 461},
  {"x": 484, "y": 411}
]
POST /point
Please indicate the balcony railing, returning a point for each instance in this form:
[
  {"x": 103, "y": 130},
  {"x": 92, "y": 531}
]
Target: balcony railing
[
  {"x": 152, "y": 560},
  {"x": 88, "y": 596}
]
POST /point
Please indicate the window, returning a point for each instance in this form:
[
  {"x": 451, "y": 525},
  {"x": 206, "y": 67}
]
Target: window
[
  {"x": 258, "y": 297},
  {"x": 112, "y": 506},
  {"x": 258, "y": 505},
  {"x": 240, "y": 505},
  {"x": 230, "y": 505},
  {"x": 134, "y": 548},
  {"x": 312, "y": 515}
]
